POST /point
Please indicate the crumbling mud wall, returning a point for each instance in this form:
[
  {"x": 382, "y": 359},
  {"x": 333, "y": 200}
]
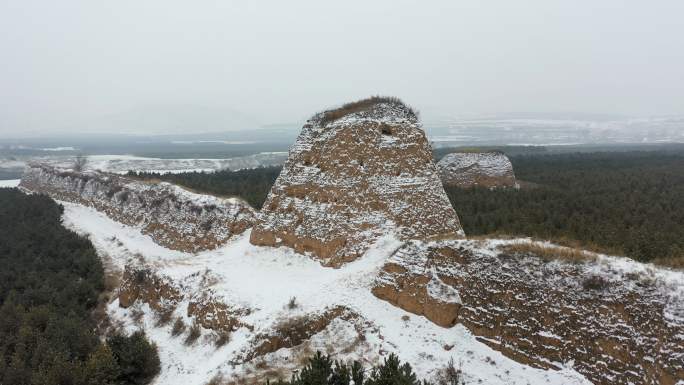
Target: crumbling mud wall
[
  {"x": 173, "y": 217},
  {"x": 617, "y": 327}
]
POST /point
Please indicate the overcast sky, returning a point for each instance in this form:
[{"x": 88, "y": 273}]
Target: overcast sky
[{"x": 72, "y": 61}]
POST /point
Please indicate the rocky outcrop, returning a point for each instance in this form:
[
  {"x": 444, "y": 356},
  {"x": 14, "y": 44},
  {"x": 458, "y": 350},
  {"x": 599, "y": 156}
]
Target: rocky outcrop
[
  {"x": 294, "y": 331},
  {"x": 617, "y": 327},
  {"x": 354, "y": 174},
  {"x": 173, "y": 217},
  {"x": 142, "y": 284},
  {"x": 416, "y": 284},
  {"x": 476, "y": 169},
  {"x": 212, "y": 313}
]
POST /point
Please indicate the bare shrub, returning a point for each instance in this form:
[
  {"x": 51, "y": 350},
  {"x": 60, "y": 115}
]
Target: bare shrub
[
  {"x": 79, "y": 163},
  {"x": 140, "y": 276},
  {"x": 595, "y": 282},
  {"x": 178, "y": 327},
  {"x": 207, "y": 225},
  {"x": 137, "y": 315},
  {"x": 450, "y": 375},
  {"x": 123, "y": 197},
  {"x": 112, "y": 279},
  {"x": 296, "y": 329},
  {"x": 113, "y": 190},
  {"x": 163, "y": 317},
  {"x": 194, "y": 333},
  {"x": 292, "y": 304},
  {"x": 197, "y": 210},
  {"x": 221, "y": 338},
  {"x": 260, "y": 373},
  {"x": 548, "y": 253},
  {"x": 216, "y": 380}
]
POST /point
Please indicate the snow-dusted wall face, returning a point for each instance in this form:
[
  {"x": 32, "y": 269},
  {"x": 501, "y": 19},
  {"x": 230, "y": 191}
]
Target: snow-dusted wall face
[
  {"x": 351, "y": 179},
  {"x": 470, "y": 169},
  {"x": 618, "y": 322},
  {"x": 173, "y": 217}
]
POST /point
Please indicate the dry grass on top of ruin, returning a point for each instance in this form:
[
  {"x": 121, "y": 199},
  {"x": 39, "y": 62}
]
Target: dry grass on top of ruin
[
  {"x": 567, "y": 250},
  {"x": 674, "y": 262},
  {"x": 549, "y": 252},
  {"x": 364, "y": 105}
]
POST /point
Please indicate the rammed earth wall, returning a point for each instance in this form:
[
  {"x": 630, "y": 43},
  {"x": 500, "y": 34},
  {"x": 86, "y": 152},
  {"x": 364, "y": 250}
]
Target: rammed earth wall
[
  {"x": 173, "y": 217},
  {"x": 351, "y": 180},
  {"x": 616, "y": 327}
]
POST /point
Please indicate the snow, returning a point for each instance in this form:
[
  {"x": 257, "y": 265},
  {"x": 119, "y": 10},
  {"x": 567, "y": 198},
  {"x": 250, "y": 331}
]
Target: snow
[
  {"x": 264, "y": 279},
  {"x": 442, "y": 292},
  {"x": 124, "y": 163},
  {"x": 118, "y": 241},
  {"x": 59, "y": 149},
  {"x": 551, "y": 132},
  {"x": 212, "y": 142},
  {"x": 10, "y": 183},
  {"x": 121, "y": 164}
]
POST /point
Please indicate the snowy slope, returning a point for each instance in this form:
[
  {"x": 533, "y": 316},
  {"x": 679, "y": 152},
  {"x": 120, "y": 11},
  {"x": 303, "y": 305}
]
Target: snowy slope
[{"x": 263, "y": 279}]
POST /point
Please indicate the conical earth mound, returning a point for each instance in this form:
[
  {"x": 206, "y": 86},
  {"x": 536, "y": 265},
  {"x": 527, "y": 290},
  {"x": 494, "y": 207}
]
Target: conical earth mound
[{"x": 355, "y": 174}]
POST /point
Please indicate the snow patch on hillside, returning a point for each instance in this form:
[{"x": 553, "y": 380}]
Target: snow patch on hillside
[
  {"x": 264, "y": 279},
  {"x": 121, "y": 164},
  {"x": 10, "y": 183}
]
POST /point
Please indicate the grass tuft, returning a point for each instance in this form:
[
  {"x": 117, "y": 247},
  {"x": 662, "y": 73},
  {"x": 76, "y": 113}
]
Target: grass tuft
[
  {"x": 178, "y": 327},
  {"x": 363, "y": 105},
  {"x": 292, "y": 304},
  {"x": 595, "y": 282},
  {"x": 548, "y": 253},
  {"x": 163, "y": 317},
  {"x": 193, "y": 335},
  {"x": 221, "y": 338}
]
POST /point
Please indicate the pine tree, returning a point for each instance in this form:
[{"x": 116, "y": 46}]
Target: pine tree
[
  {"x": 316, "y": 372},
  {"x": 391, "y": 372},
  {"x": 101, "y": 367},
  {"x": 136, "y": 357}
]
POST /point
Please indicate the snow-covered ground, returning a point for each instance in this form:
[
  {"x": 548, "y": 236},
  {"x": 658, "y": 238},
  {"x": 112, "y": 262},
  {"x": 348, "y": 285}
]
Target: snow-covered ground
[
  {"x": 123, "y": 163},
  {"x": 264, "y": 279},
  {"x": 554, "y": 131},
  {"x": 9, "y": 183}
]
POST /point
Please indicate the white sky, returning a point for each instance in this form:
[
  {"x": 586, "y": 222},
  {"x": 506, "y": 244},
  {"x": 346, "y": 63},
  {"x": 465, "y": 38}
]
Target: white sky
[{"x": 64, "y": 62}]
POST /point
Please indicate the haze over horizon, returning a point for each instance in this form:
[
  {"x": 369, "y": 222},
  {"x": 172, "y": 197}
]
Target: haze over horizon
[{"x": 104, "y": 66}]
